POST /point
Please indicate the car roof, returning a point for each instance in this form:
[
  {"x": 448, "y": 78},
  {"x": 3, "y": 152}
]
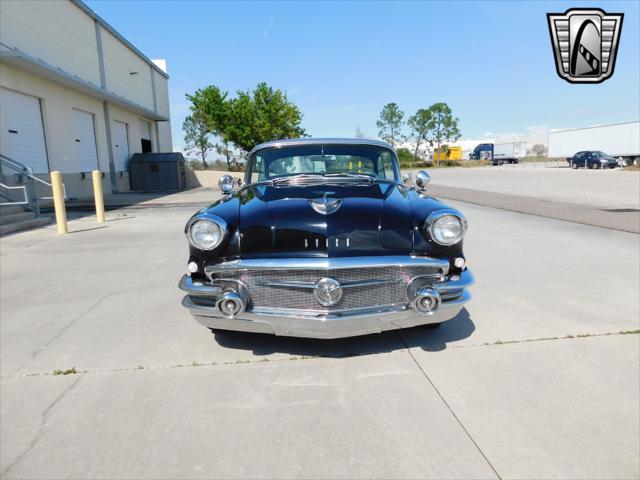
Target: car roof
[{"x": 320, "y": 141}]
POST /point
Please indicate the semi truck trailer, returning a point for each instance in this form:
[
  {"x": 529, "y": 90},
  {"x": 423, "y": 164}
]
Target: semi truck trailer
[
  {"x": 620, "y": 140},
  {"x": 500, "y": 153}
]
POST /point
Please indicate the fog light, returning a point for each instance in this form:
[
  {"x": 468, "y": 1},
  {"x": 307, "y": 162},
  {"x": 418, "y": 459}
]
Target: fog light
[
  {"x": 426, "y": 301},
  {"x": 192, "y": 267},
  {"x": 230, "y": 304},
  {"x": 459, "y": 262}
]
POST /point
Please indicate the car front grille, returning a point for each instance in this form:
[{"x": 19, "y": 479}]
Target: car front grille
[{"x": 389, "y": 286}]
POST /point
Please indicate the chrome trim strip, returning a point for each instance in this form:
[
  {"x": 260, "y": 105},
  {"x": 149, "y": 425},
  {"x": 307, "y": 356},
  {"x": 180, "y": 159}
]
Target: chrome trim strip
[
  {"x": 319, "y": 141},
  {"x": 323, "y": 314},
  {"x": 334, "y": 263},
  {"x": 466, "y": 279},
  {"x": 198, "y": 288},
  {"x": 296, "y": 324},
  {"x": 312, "y": 285}
]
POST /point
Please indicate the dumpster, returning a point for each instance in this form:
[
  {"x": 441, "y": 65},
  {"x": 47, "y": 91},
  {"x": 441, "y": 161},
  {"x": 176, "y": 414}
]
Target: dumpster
[{"x": 157, "y": 172}]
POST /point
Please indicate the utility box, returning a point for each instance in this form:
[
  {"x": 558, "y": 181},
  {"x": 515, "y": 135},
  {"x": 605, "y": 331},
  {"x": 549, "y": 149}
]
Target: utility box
[{"x": 157, "y": 172}]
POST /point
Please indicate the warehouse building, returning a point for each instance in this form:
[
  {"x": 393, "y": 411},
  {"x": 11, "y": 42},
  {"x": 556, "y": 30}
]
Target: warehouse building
[{"x": 76, "y": 96}]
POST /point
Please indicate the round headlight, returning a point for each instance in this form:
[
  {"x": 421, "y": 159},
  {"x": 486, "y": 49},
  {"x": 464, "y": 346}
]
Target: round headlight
[
  {"x": 446, "y": 229},
  {"x": 205, "y": 234}
]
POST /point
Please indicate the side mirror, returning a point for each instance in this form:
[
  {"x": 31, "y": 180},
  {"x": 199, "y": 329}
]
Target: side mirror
[
  {"x": 406, "y": 179},
  {"x": 226, "y": 183},
  {"x": 422, "y": 180}
]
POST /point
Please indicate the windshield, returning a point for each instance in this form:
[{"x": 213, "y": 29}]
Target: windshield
[
  {"x": 375, "y": 161},
  {"x": 602, "y": 154}
]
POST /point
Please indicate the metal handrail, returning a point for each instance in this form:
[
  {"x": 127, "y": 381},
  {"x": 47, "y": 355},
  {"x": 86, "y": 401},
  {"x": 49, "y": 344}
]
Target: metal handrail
[
  {"x": 33, "y": 177},
  {"x": 31, "y": 197},
  {"x": 24, "y": 192},
  {"x": 14, "y": 164}
]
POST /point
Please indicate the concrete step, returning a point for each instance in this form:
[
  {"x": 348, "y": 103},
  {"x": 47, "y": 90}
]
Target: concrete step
[
  {"x": 24, "y": 225},
  {"x": 15, "y": 217},
  {"x": 11, "y": 209}
]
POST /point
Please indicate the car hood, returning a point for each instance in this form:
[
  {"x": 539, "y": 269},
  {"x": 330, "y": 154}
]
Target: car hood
[{"x": 372, "y": 219}]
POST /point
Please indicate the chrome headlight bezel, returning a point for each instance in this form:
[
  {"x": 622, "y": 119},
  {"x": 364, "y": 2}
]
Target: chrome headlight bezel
[
  {"x": 211, "y": 219},
  {"x": 432, "y": 220}
]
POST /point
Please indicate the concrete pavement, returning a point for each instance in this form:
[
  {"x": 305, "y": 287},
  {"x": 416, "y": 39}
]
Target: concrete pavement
[
  {"x": 625, "y": 219},
  {"x": 610, "y": 188},
  {"x": 533, "y": 379}
]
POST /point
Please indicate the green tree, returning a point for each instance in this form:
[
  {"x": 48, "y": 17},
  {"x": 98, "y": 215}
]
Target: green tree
[
  {"x": 539, "y": 150},
  {"x": 262, "y": 115},
  {"x": 421, "y": 124},
  {"x": 197, "y": 136},
  {"x": 214, "y": 106},
  {"x": 390, "y": 124},
  {"x": 405, "y": 157},
  {"x": 444, "y": 127}
]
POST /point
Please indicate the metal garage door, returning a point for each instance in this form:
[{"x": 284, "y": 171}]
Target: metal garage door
[
  {"x": 85, "y": 141},
  {"x": 120, "y": 146},
  {"x": 24, "y": 133}
]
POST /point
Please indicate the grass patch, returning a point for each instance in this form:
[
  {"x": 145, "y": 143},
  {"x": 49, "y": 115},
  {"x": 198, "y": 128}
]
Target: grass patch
[{"x": 68, "y": 371}]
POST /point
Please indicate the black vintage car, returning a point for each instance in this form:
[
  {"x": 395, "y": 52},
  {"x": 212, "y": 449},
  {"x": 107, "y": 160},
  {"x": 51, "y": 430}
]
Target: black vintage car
[{"x": 325, "y": 240}]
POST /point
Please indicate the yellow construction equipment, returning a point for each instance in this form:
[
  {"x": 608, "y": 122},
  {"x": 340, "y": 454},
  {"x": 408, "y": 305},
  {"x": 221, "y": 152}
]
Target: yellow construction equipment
[{"x": 453, "y": 153}]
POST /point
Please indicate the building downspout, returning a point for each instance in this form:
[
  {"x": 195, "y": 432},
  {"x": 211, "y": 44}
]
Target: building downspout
[
  {"x": 155, "y": 107},
  {"x": 105, "y": 108}
]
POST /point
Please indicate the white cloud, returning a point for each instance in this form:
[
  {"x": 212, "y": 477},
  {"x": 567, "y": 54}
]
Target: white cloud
[{"x": 532, "y": 135}]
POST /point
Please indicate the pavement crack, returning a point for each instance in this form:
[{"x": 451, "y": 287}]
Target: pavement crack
[
  {"x": 548, "y": 339},
  {"x": 46, "y": 414},
  {"x": 178, "y": 365},
  {"x": 449, "y": 407},
  {"x": 199, "y": 363},
  {"x": 92, "y": 307}
]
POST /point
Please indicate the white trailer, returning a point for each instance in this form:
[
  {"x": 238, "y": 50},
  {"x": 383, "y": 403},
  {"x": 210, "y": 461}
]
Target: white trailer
[
  {"x": 620, "y": 140},
  {"x": 510, "y": 152}
]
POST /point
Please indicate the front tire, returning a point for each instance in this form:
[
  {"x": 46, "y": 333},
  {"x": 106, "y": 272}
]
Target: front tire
[
  {"x": 574, "y": 166},
  {"x": 596, "y": 165}
]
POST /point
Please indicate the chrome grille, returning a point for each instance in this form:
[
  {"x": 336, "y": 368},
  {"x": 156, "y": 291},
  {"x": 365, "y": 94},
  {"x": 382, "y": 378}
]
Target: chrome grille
[{"x": 392, "y": 292}]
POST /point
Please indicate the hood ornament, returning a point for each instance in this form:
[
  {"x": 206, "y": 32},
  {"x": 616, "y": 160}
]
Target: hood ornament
[{"x": 325, "y": 206}]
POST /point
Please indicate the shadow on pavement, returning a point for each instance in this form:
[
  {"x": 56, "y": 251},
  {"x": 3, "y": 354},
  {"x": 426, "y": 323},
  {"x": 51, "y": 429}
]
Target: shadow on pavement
[
  {"x": 458, "y": 328},
  {"x": 431, "y": 340}
]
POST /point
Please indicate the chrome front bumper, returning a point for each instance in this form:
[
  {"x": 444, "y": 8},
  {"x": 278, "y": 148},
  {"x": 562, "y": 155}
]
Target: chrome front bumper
[{"x": 300, "y": 323}]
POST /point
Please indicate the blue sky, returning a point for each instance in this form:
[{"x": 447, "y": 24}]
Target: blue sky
[{"x": 340, "y": 62}]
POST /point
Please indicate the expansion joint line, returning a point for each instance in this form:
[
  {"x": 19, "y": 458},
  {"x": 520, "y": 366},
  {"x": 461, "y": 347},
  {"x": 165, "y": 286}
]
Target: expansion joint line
[{"x": 449, "y": 407}]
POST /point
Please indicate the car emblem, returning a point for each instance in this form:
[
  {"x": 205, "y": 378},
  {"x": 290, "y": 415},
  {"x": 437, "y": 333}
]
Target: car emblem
[
  {"x": 585, "y": 43},
  {"x": 325, "y": 206},
  {"x": 327, "y": 291}
]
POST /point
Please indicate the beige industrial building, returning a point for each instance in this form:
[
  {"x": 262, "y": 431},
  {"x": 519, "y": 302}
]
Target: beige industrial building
[{"x": 76, "y": 96}]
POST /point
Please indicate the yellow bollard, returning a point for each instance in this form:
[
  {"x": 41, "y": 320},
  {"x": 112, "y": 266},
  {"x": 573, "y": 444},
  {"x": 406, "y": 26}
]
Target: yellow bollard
[
  {"x": 58, "y": 201},
  {"x": 97, "y": 194}
]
